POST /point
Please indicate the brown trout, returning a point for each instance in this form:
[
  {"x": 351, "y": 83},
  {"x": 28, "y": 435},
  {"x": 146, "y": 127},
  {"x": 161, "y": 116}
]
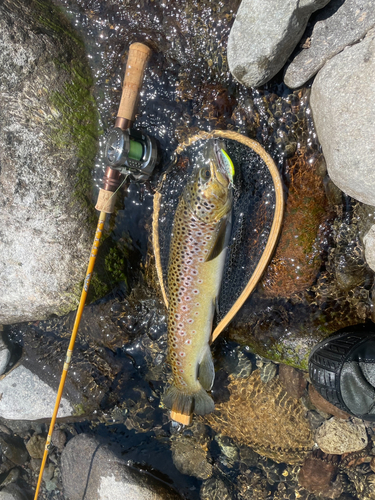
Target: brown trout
[{"x": 201, "y": 230}]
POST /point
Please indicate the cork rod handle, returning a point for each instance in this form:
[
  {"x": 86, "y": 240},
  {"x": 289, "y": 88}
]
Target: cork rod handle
[{"x": 137, "y": 61}]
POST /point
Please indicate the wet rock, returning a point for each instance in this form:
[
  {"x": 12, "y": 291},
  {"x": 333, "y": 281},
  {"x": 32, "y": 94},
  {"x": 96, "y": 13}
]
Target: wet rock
[
  {"x": 336, "y": 437},
  {"x": 90, "y": 469},
  {"x": 318, "y": 473},
  {"x": 4, "y": 356},
  {"x": 15, "y": 492},
  {"x": 315, "y": 419},
  {"x": 346, "y": 130},
  {"x": 35, "y": 464},
  {"x": 227, "y": 447},
  {"x": 369, "y": 242},
  {"x": 48, "y": 472},
  {"x": 264, "y": 35},
  {"x": 35, "y": 446},
  {"x": 12, "y": 477},
  {"x": 26, "y": 396},
  {"x": 293, "y": 380},
  {"x": 338, "y": 25},
  {"x": 244, "y": 366},
  {"x": 14, "y": 449},
  {"x": 248, "y": 456},
  {"x": 323, "y": 405},
  {"x": 214, "y": 489},
  {"x": 267, "y": 371},
  {"x": 45, "y": 151},
  {"x": 58, "y": 439},
  {"x": 190, "y": 457}
]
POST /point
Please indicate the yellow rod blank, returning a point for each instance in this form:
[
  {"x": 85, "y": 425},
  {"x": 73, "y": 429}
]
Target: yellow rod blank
[{"x": 90, "y": 268}]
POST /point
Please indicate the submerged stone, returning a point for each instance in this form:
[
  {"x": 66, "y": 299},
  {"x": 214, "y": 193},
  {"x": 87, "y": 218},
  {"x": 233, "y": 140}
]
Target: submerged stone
[{"x": 90, "y": 469}]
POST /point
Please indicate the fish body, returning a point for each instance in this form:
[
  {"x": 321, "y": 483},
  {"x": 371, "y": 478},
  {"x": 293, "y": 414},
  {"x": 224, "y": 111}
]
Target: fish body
[{"x": 201, "y": 229}]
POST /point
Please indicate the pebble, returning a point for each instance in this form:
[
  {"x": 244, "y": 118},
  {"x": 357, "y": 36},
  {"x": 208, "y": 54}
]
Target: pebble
[
  {"x": 336, "y": 436},
  {"x": 59, "y": 438},
  {"x": 227, "y": 447},
  {"x": 315, "y": 419},
  {"x": 293, "y": 380},
  {"x": 12, "y": 477},
  {"x": 35, "y": 446},
  {"x": 317, "y": 477},
  {"x": 14, "y": 449},
  {"x": 214, "y": 489},
  {"x": 190, "y": 458},
  {"x": 48, "y": 472},
  {"x": 268, "y": 371}
]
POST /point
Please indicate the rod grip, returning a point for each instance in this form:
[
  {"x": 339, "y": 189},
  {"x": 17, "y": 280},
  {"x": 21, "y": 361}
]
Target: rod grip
[{"x": 135, "y": 67}]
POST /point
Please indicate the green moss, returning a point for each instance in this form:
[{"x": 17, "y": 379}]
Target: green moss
[
  {"x": 75, "y": 117},
  {"x": 78, "y": 410},
  {"x": 78, "y": 125}
]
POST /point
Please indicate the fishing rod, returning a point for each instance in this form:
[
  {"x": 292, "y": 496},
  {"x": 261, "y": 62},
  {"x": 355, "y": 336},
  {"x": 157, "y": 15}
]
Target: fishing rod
[{"x": 128, "y": 153}]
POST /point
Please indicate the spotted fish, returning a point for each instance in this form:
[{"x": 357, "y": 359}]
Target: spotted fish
[{"x": 201, "y": 230}]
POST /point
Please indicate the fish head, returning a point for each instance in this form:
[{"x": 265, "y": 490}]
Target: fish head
[{"x": 209, "y": 194}]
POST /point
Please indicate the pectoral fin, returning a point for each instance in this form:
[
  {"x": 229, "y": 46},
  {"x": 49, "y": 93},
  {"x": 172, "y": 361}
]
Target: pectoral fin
[
  {"x": 220, "y": 243},
  {"x": 206, "y": 372}
]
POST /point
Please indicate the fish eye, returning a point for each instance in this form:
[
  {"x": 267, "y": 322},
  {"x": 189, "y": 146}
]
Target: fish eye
[{"x": 205, "y": 173}]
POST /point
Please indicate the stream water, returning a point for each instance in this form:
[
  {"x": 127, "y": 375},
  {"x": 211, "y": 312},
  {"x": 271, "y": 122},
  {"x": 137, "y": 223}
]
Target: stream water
[{"x": 188, "y": 88}]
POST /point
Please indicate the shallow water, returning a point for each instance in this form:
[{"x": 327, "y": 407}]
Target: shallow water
[{"x": 188, "y": 88}]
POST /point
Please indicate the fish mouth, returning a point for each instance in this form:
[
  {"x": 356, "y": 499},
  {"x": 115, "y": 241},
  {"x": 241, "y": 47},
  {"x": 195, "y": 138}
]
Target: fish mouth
[{"x": 222, "y": 168}]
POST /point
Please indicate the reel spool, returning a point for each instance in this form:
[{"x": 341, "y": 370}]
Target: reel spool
[{"x": 131, "y": 153}]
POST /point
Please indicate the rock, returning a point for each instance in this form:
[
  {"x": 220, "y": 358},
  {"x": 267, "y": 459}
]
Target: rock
[
  {"x": 336, "y": 26},
  {"x": 35, "y": 446},
  {"x": 4, "y": 356},
  {"x": 293, "y": 380},
  {"x": 267, "y": 371},
  {"x": 342, "y": 98},
  {"x": 47, "y": 149},
  {"x": 58, "y": 439},
  {"x": 264, "y": 35},
  {"x": 190, "y": 457},
  {"x": 25, "y": 396},
  {"x": 369, "y": 242},
  {"x": 227, "y": 447},
  {"x": 323, "y": 405},
  {"x": 13, "y": 448},
  {"x": 336, "y": 437},
  {"x": 214, "y": 489},
  {"x": 92, "y": 470},
  {"x": 317, "y": 475},
  {"x": 12, "y": 477},
  {"x": 15, "y": 492},
  {"x": 315, "y": 419}
]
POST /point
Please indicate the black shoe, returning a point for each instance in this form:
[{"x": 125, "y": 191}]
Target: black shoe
[{"x": 342, "y": 370}]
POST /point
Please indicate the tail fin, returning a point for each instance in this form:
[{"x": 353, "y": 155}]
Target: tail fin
[{"x": 200, "y": 402}]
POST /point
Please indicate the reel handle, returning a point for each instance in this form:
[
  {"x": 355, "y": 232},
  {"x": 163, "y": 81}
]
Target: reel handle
[{"x": 138, "y": 57}]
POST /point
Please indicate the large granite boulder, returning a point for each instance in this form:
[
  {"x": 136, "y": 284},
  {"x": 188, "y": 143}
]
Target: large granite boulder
[
  {"x": 342, "y": 102},
  {"x": 264, "y": 35},
  {"x": 92, "y": 470},
  {"x": 336, "y": 26},
  {"x": 47, "y": 148}
]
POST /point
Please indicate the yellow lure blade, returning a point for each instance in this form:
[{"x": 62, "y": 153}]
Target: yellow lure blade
[{"x": 229, "y": 164}]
